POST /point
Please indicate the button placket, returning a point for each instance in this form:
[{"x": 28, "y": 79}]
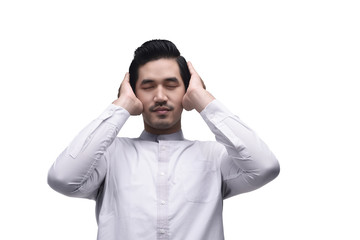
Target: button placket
[{"x": 163, "y": 191}]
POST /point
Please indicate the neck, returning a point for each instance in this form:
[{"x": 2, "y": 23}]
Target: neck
[{"x": 163, "y": 131}]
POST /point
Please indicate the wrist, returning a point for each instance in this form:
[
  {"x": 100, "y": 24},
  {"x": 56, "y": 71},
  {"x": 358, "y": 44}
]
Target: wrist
[
  {"x": 201, "y": 98},
  {"x": 126, "y": 103},
  {"x": 122, "y": 102}
]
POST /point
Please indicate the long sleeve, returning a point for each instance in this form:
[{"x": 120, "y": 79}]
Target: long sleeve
[
  {"x": 81, "y": 167},
  {"x": 248, "y": 163}
]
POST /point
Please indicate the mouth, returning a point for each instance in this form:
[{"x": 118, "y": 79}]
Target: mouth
[{"x": 161, "y": 110}]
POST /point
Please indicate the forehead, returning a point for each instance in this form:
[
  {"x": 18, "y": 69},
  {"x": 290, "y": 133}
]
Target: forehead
[{"x": 159, "y": 70}]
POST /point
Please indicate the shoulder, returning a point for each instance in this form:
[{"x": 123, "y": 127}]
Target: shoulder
[
  {"x": 122, "y": 143},
  {"x": 209, "y": 147}
]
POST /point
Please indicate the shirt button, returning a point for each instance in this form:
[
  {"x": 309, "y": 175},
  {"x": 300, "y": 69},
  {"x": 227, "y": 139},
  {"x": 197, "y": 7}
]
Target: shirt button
[
  {"x": 162, "y": 173},
  {"x": 163, "y": 202},
  {"x": 162, "y": 231}
]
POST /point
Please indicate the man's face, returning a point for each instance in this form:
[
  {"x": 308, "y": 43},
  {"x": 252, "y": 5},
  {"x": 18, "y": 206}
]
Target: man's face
[{"x": 160, "y": 89}]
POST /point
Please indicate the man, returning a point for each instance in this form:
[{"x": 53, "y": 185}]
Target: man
[{"x": 160, "y": 185}]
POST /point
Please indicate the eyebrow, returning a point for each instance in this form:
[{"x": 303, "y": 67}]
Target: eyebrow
[
  {"x": 171, "y": 79},
  {"x": 145, "y": 81}
]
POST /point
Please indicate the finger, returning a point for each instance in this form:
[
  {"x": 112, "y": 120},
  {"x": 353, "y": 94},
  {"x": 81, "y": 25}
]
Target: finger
[
  {"x": 203, "y": 84},
  {"x": 191, "y": 68},
  {"x": 193, "y": 72},
  {"x": 126, "y": 79}
]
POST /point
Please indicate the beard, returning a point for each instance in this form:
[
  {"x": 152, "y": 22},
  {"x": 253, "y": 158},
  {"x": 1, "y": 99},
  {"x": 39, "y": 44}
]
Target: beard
[{"x": 162, "y": 124}]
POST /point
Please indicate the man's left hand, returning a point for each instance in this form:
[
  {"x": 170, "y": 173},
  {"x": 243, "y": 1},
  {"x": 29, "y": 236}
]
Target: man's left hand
[{"x": 196, "y": 96}]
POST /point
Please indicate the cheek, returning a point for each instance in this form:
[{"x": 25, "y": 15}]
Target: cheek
[
  {"x": 178, "y": 96},
  {"x": 179, "y": 101},
  {"x": 144, "y": 99}
]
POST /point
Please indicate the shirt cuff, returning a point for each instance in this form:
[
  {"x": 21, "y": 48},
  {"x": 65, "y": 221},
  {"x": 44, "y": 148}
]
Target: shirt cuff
[
  {"x": 215, "y": 112},
  {"x": 115, "y": 115}
]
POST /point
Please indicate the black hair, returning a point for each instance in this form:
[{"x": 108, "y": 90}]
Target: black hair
[{"x": 154, "y": 50}]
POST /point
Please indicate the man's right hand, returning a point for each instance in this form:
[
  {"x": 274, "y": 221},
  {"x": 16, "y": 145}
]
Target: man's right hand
[{"x": 127, "y": 98}]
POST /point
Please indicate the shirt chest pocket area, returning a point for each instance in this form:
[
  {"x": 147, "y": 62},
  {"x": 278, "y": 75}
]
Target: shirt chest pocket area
[{"x": 200, "y": 181}]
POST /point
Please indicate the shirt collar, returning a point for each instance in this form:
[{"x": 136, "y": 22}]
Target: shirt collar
[{"x": 177, "y": 136}]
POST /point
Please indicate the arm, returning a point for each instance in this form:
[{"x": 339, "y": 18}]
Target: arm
[
  {"x": 81, "y": 167},
  {"x": 248, "y": 163}
]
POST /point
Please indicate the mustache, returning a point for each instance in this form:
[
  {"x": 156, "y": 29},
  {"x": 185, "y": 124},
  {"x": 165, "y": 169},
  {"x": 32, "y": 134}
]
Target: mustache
[{"x": 161, "y": 105}]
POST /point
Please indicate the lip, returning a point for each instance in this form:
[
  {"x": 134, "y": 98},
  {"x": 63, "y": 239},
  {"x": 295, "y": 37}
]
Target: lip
[{"x": 161, "y": 110}]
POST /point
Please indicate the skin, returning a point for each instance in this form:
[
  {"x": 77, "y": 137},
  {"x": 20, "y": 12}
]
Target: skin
[{"x": 160, "y": 95}]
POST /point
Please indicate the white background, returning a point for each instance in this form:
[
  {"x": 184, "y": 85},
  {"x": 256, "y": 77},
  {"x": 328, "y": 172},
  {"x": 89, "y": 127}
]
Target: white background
[{"x": 289, "y": 69}]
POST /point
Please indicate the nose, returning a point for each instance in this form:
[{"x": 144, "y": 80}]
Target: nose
[{"x": 160, "y": 95}]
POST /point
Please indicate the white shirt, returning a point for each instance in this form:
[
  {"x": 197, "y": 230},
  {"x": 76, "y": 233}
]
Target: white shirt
[{"x": 162, "y": 187}]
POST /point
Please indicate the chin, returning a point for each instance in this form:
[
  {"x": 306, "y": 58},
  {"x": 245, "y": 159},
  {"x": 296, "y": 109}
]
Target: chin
[{"x": 162, "y": 125}]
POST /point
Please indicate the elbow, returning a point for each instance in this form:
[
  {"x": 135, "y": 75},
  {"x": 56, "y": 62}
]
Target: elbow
[
  {"x": 271, "y": 170},
  {"x": 61, "y": 182},
  {"x": 61, "y": 177},
  {"x": 274, "y": 171}
]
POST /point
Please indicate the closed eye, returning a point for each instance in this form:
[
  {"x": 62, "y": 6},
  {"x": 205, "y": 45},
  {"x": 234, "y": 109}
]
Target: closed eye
[
  {"x": 172, "y": 86},
  {"x": 169, "y": 83},
  {"x": 148, "y": 87},
  {"x": 172, "y": 83},
  {"x": 147, "y": 84}
]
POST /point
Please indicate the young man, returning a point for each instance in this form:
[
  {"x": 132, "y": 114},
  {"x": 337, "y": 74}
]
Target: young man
[{"x": 160, "y": 185}]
